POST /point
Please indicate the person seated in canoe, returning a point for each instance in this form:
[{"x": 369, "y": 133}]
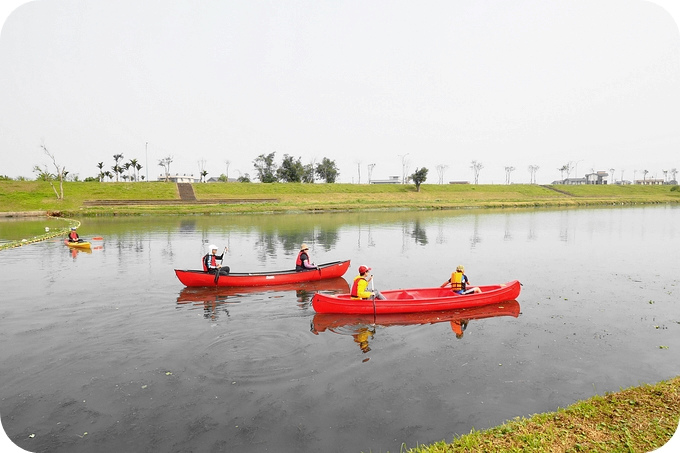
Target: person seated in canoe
[
  {"x": 210, "y": 261},
  {"x": 73, "y": 236},
  {"x": 360, "y": 286},
  {"x": 302, "y": 262},
  {"x": 460, "y": 283}
]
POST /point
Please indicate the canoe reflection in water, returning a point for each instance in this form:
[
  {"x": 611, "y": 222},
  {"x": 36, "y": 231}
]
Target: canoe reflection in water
[
  {"x": 362, "y": 327},
  {"x": 214, "y": 300}
]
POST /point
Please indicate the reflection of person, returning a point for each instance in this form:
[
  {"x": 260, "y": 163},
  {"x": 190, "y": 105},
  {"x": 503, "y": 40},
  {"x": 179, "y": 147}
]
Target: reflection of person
[
  {"x": 458, "y": 326},
  {"x": 360, "y": 285},
  {"x": 302, "y": 263},
  {"x": 361, "y": 338},
  {"x": 210, "y": 261},
  {"x": 73, "y": 236},
  {"x": 459, "y": 282}
]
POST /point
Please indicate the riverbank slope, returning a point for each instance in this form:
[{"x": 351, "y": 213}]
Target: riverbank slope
[{"x": 126, "y": 198}]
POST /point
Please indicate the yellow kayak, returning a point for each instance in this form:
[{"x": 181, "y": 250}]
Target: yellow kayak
[{"x": 79, "y": 245}]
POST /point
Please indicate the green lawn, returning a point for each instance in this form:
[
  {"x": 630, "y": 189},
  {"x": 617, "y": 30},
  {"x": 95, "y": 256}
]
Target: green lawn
[{"x": 40, "y": 196}]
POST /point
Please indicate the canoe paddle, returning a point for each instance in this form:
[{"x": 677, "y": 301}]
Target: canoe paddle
[
  {"x": 373, "y": 299},
  {"x": 217, "y": 270}
]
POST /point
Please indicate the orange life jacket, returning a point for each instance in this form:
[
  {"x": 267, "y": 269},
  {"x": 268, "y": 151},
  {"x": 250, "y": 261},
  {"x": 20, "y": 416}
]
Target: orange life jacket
[{"x": 457, "y": 281}]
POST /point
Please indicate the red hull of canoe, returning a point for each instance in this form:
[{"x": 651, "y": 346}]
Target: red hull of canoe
[
  {"x": 342, "y": 321},
  {"x": 416, "y": 300},
  {"x": 195, "y": 278}
]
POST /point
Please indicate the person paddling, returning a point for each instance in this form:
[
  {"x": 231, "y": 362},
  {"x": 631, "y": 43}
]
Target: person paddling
[
  {"x": 302, "y": 262},
  {"x": 360, "y": 285},
  {"x": 210, "y": 261},
  {"x": 460, "y": 283},
  {"x": 73, "y": 236}
]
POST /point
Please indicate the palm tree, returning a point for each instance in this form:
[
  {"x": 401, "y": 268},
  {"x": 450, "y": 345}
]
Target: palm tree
[
  {"x": 100, "y": 165},
  {"x": 133, "y": 165},
  {"x": 116, "y": 168}
]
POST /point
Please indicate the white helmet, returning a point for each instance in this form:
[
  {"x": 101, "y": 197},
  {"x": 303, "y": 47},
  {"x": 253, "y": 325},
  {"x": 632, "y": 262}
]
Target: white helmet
[{"x": 212, "y": 247}]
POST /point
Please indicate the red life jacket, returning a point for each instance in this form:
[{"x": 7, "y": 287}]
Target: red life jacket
[
  {"x": 209, "y": 262},
  {"x": 298, "y": 260},
  {"x": 73, "y": 236}
]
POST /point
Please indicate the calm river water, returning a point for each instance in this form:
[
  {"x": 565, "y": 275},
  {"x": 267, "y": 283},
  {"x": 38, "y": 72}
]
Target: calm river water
[{"x": 106, "y": 351}]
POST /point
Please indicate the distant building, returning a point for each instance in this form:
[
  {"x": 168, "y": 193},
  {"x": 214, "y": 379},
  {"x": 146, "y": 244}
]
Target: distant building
[
  {"x": 217, "y": 179},
  {"x": 597, "y": 178},
  {"x": 459, "y": 182},
  {"x": 177, "y": 178},
  {"x": 650, "y": 182},
  {"x": 390, "y": 180},
  {"x": 571, "y": 181}
]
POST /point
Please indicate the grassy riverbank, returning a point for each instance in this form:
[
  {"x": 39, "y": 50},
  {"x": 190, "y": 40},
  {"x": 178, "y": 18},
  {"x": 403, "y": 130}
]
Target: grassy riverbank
[
  {"x": 80, "y": 198},
  {"x": 637, "y": 419}
]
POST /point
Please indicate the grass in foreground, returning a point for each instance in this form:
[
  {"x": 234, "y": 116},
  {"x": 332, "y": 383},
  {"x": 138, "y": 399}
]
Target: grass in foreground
[{"x": 637, "y": 419}]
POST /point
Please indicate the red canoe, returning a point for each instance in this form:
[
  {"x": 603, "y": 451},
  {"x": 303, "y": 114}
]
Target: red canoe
[
  {"x": 343, "y": 321},
  {"x": 325, "y": 271},
  {"x": 415, "y": 300}
]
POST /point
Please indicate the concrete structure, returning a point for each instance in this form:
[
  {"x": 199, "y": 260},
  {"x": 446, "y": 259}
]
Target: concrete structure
[
  {"x": 178, "y": 178},
  {"x": 390, "y": 180}
]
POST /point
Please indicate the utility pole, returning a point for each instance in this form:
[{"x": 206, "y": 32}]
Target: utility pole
[{"x": 146, "y": 156}]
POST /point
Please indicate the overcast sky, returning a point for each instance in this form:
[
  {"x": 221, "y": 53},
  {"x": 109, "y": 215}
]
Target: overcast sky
[{"x": 427, "y": 83}]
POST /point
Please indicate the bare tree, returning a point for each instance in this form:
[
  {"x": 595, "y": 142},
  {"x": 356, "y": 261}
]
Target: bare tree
[
  {"x": 532, "y": 172},
  {"x": 440, "y": 172},
  {"x": 565, "y": 168},
  {"x": 404, "y": 167},
  {"x": 644, "y": 175},
  {"x": 370, "y": 172},
  {"x": 674, "y": 173},
  {"x": 508, "y": 170},
  {"x": 165, "y": 163},
  {"x": 227, "y": 174},
  {"x": 476, "y": 168},
  {"x": 61, "y": 173}
]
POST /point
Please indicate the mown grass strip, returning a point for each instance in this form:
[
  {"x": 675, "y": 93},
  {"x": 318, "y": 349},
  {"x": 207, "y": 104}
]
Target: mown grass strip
[{"x": 637, "y": 419}]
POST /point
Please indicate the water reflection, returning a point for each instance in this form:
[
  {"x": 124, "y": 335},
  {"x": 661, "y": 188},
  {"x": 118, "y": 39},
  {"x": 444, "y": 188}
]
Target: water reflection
[
  {"x": 362, "y": 328},
  {"x": 214, "y": 300}
]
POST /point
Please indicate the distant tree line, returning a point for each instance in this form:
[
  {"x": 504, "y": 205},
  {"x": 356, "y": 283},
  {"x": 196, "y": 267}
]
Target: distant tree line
[{"x": 293, "y": 170}]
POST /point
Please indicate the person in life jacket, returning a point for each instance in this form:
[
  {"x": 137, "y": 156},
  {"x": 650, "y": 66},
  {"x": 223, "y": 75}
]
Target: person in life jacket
[
  {"x": 73, "y": 236},
  {"x": 210, "y": 261},
  {"x": 360, "y": 285},
  {"x": 459, "y": 282},
  {"x": 302, "y": 262}
]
